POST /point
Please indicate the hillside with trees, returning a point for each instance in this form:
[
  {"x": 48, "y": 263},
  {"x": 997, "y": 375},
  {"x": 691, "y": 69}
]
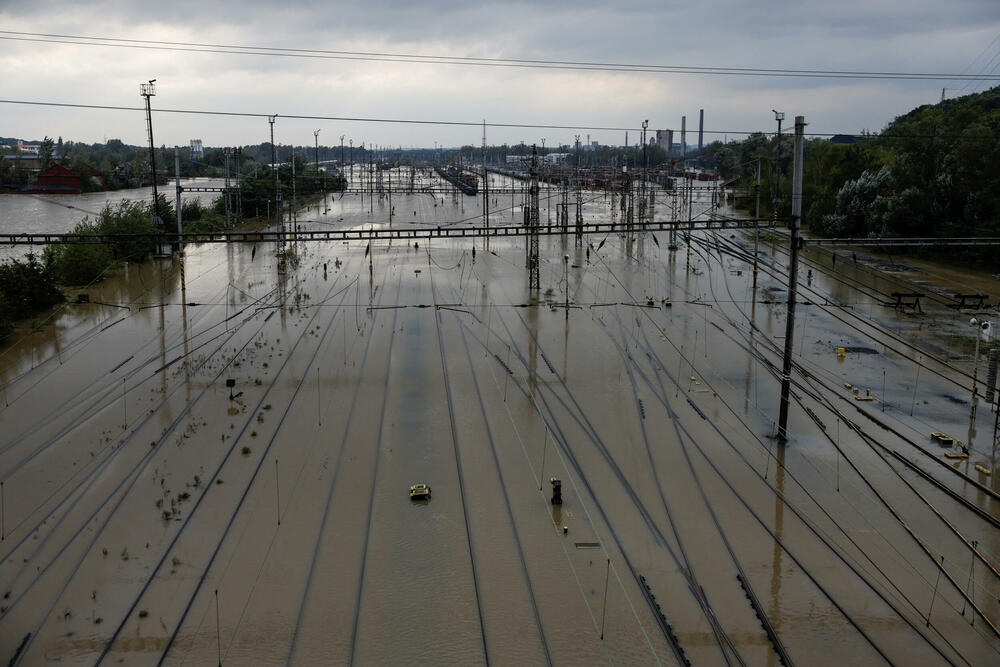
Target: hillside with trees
[{"x": 934, "y": 171}]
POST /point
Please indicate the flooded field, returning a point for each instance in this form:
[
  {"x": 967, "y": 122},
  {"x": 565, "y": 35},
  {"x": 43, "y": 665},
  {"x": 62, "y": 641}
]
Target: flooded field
[{"x": 151, "y": 513}]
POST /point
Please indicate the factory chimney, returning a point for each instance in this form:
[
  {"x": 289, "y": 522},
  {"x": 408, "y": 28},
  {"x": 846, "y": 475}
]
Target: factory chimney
[
  {"x": 684, "y": 122},
  {"x": 701, "y": 128}
]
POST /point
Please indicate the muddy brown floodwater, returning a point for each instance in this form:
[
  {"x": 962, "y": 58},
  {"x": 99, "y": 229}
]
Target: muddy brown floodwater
[{"x": 149, "y": 517}]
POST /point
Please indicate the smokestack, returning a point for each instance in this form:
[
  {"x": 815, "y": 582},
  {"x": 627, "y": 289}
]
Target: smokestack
[
  {"x": 701, "y": 128},
  {"x": 684, "y": 124}
]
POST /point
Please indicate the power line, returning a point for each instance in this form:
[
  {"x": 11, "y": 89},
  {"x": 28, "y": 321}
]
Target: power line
[
  {"x": 971, "y": 64},
  {"x": 457, "y": 123},
  {"x": 376, "y": 56}
]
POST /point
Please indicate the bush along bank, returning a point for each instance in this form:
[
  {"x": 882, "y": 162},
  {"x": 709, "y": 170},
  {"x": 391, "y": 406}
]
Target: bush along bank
[{"x": 27, "y": 287}]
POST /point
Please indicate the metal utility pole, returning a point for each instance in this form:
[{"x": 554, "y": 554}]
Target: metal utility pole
[
  {"x": 352, "y": 155},
  {"x": 642, "y": 183},
  {"x": 793, "y": 276},
  {"x": 756, "y": 231},
  {"x": 148, "y": 90},
  {"x": 548, "y": 187},
  {"x": 179, "y": 246},
  {"x": 579, "y": 198},
  {"x": 778, "y": 116},
  {"x": 341, "y": 153},
  {"x": 534, "y": 280},
  {"x": 274, "y": 165},
  {"x": 239, "y": 192},
  {"x": 316, "y": 138},
  {"x": 486, "y": 191},
  {"x": 226, "y": 197}
]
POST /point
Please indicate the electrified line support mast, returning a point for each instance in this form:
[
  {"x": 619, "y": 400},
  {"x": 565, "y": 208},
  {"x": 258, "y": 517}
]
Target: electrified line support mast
[
  {"x": 179, "y": 246},
  {"x": 227, "y": 199},
  {"x": 239, "y": 193},
  {"x": 642, "y": 182},
  {"x": 534, "y": 279},
  {"x": 793, "y": 277},
  {"x": 486, "y": 191},
  {"x": 756, "y": 232},
  {"x": 277, "y": 199},
  {"x": 579, "y": 198}
]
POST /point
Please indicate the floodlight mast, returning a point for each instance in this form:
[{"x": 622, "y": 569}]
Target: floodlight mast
[{"x": 148, "y": 90}]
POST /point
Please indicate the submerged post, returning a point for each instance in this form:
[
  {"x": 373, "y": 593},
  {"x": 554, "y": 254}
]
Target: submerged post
[{"x": 793, "y": 276}]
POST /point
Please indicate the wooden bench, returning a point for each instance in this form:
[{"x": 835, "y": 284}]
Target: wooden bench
[
  {"x": 974, "y": 301},
  {"x": 907, "y": 300}
]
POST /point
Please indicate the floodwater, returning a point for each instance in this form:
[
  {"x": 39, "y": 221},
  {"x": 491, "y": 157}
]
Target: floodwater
[
  {"x": 153, "y": 513},
  {"x": 40, "y": 213}
]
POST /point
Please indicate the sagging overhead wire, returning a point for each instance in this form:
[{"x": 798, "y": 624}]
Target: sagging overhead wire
[
  {"x": 476, "y": 124},
  {"x": 434, "y": 59}
]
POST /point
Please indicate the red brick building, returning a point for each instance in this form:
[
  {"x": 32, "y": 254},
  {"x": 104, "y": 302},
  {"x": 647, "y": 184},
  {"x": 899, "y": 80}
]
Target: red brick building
[{"x": 58, "y": 178}]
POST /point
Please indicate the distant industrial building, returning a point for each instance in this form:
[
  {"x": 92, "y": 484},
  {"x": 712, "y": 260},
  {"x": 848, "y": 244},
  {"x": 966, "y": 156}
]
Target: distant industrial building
[
  {"x": 665, "y": 139},
  {"x": 197, "y": 150}
]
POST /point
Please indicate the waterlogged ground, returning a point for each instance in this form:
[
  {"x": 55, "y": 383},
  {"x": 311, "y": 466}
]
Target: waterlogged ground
[{"x": 150, "y": 517}]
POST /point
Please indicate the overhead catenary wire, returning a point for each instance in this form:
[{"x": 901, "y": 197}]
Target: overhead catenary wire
[
  {"x": 412, "y": 58},
  {"x": 458, "y": 123}
]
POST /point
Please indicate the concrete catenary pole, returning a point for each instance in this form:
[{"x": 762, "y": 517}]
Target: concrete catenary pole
[{"x": 793, "y": 276}]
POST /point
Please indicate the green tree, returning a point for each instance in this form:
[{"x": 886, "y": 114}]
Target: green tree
[{"x": 45, "y": 153}]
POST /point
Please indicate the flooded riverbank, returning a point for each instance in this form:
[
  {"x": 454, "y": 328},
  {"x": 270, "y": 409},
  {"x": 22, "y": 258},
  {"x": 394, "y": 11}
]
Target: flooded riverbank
[
  {"x": 35, "y": 214},
  {"x": 151, "y": 511}
]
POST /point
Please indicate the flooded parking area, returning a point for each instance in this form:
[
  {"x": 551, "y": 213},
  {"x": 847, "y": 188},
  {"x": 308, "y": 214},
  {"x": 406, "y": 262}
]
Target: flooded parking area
[{"x": 214, "y": 464}]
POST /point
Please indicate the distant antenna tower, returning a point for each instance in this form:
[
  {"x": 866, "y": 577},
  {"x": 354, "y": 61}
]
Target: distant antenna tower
[{"x": 148, "y": 90}]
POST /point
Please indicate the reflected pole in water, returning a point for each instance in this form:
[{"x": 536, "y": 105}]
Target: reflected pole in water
[
  {"x": 934, "y": 595},
  {"x": 779, "y": 512},
  {"x": 277, "y": 491},
  {"x": 541, "y": 471},
  {"x": 604, "y": 607},
  {"x": 916, "y": 381},
  {"x": 218, "y": 627}
]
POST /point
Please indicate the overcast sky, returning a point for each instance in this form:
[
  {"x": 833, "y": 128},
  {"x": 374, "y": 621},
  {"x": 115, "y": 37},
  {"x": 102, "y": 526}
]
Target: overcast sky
[{"x": 882, "y": 35}]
